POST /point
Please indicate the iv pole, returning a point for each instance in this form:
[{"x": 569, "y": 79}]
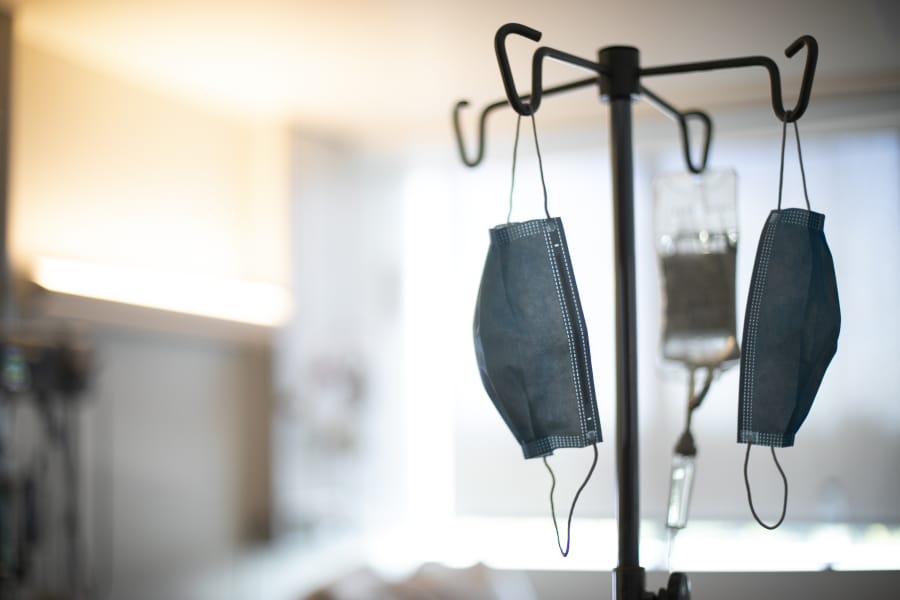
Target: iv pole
[{"x": 618, "y": 75}]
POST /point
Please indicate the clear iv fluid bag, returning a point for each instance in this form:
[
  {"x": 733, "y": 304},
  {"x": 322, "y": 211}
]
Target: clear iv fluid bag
[{"x": 695, "y": 222}]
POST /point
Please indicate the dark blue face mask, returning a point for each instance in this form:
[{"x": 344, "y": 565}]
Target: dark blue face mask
[
  {"x": 531, "y": 342},
  {"x": 791, "y": 328}
]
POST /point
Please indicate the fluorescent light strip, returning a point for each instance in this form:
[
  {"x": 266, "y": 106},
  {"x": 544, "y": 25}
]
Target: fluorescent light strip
[{"x": 231, "y": 300}]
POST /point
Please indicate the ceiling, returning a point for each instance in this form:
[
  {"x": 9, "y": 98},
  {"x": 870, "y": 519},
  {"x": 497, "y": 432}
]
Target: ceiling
[{"x": 392, "y": 69}]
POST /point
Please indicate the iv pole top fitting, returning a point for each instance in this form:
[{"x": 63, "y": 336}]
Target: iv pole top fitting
[{"x": 621, "y": 76}]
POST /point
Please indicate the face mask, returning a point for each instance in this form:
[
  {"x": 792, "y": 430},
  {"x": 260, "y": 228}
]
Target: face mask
[
  {"x": 531, "y": 342},
  {"x": 790, "y": 328}
]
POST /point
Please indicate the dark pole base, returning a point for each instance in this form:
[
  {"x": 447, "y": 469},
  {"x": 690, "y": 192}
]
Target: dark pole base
[
  {"x": 679, "y": 588},
  {"x": 630, "y": 582}
]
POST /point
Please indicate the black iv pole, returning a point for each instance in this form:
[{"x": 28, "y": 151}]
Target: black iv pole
[{"x": 618, "y": 76}]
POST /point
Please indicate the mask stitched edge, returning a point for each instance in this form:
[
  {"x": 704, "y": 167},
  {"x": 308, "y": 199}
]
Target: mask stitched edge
[
  {"x": 751, "y": 327},
  {"x": 567, "y": 322},
  {"x": 586, "y": 376}
]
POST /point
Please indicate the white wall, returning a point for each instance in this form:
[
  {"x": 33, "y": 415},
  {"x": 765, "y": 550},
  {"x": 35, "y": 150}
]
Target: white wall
[
  {"x": 176, "y": 443},
  {"x": 339, "y": 423}
]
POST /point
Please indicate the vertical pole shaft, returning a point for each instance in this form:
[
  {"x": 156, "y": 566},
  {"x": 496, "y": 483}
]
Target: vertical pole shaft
[
  {"x": 629, "y": 575},
  {"x": 620, "y": 85},
  {"x": 626, "y": 372}
]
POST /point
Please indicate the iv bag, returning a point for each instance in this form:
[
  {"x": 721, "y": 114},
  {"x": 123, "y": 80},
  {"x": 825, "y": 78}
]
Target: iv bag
[{"x": 695, "y": 223}]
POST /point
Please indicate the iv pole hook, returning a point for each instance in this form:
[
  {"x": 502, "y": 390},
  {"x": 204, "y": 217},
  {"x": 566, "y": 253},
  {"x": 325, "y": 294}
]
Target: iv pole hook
[
  {"x": 809, "y": 71},
  {"x": 503, "y": 61},
  {"x": 459, "y": 136}
]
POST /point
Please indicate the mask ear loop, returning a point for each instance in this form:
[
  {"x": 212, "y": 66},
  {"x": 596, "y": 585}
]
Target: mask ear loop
[
  {"x": 799, "y": 156},
  {"x": 750, "y": 497},
  {"x": 574, "y": 501},
  {"x": 512, "y": 184}
]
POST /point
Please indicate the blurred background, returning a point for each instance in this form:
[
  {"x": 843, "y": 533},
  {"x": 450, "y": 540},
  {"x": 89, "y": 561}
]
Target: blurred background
[{"x": 245, "y": 252}]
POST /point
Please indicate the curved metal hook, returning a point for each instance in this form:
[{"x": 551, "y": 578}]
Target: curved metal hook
[
  {"x": 809, "y": 72},
  {"x": 572, "y": 85},
  {"x": 686, "y": 142},
  {"x": 682, "y": 119},
  {"x": 503, "y": 61},
  {"x": 481, "y": 127},
  {"x": 459, "y": 137}
]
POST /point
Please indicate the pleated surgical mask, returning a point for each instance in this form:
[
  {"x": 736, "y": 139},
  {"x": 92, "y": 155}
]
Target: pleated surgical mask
[
  {"x": 791, "y": 327},
  {"x": 531, "y": 341}
]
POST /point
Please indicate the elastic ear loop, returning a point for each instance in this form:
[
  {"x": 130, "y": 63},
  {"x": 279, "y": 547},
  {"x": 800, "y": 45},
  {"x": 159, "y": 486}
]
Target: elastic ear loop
[
  {"x": 750, "y": 498},
  {"x": 512, "y": 184},
  {"x": 574, "y": 501},
  {"x": 799, "y": 156}
]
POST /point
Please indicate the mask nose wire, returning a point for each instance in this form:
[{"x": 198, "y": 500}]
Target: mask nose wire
[
  {"x": 799, "y": 156},
  {"x": 750, "y": 497},
  {"x": 574, "y": 501},
  {"x": 512, "y": 184}
]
